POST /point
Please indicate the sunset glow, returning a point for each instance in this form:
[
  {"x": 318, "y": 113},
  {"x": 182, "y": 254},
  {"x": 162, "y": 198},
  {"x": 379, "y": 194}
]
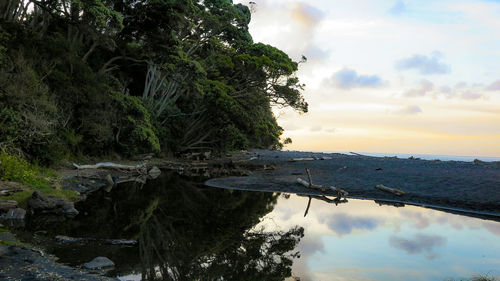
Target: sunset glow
[{"x": 390, "y": 76}]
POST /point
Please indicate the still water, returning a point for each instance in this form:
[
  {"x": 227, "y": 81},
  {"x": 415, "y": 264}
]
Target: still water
[
  {"x": 361, "y": 240},
  {"x": 187, "y": 232}
]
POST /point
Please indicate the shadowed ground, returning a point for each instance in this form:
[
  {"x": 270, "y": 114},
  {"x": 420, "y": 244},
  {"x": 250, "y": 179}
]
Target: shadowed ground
[{"x": 457, "y": 185}]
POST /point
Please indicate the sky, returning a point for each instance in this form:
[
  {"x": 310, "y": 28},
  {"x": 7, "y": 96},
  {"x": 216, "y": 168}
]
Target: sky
[{"x": 390, "y": 76}]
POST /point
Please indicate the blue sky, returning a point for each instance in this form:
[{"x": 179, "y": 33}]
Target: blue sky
[{"x": 390, "y": 76}]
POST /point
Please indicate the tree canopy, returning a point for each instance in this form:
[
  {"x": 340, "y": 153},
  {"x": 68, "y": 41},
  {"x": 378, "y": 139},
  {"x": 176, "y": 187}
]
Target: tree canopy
[{"x": 128, "y": 77}]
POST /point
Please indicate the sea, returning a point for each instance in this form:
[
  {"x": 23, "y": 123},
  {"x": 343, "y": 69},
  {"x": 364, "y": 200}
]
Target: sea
[{"x": 422, "y": 156}]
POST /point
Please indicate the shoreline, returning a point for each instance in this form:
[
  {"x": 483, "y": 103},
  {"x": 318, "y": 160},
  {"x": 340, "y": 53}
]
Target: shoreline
[{"x": 467, "y": 187}]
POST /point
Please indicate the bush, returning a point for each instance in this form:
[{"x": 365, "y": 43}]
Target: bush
[
  {"x": 132, "y": 127},
  {"x": 13, "y": 168}
]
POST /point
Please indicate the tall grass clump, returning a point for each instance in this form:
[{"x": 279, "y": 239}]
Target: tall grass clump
[{"x": 16, "y": 169}]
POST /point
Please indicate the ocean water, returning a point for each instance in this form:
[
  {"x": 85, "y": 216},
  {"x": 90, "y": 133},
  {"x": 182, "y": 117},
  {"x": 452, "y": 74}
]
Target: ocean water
[{"x": 423, "y": 156}]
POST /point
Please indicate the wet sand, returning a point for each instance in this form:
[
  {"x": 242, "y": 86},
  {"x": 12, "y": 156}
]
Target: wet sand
[{"x": 453, "y": 185}]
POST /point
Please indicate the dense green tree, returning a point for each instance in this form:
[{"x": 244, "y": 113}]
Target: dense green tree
[{"x": 136, "y": 76}]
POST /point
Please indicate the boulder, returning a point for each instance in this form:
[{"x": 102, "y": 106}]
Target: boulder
[
  {"x": 99, "y": 262},
  {"x": 154, "y": 172},
  {"x": 39, "y": 203}
]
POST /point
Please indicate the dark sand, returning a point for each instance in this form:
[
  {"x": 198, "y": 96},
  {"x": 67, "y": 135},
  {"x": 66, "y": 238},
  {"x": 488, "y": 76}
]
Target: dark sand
[{"x": 451, "y": 185}]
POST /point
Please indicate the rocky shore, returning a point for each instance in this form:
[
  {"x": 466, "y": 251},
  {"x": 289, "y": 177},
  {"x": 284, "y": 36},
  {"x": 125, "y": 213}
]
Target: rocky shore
[{"x": 20, "y": 261}]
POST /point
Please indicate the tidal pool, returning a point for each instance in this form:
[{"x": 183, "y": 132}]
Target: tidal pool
[
  {"x": 362, "y": 240},
  {"x": 189, "y": 232}
]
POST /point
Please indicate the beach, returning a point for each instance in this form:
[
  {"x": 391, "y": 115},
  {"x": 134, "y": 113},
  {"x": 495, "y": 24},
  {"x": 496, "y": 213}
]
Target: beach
[{"x": 451, "y": 185}]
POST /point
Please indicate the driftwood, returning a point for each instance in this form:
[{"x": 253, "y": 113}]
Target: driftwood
[
  {"x": 308, "y": 205},
  {"x": 109, "y": 165},
  {"x": 335, "y": 201},
  {"x": 6, "y": 205},
  {"x": 340, "y": 192},
  {"x": 302, "y": 159},
  {"x": 396, "y": 191}
]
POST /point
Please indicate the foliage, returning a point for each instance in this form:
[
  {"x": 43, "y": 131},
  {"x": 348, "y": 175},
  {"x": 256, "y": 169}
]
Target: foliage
[
  {"x": 13, "y": 168},
  {"x": 108, "y": 76}
]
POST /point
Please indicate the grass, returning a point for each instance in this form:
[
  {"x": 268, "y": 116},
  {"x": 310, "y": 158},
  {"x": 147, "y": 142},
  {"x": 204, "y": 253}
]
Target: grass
[
  {"x": 10, "y": 243},
  {"x": 43, "y": 180}
]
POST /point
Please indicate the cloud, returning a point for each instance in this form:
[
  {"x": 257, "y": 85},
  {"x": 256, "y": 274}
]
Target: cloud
[
  {"x": 495, "y": 86},
  {"x": 425, "y": 64},
  {"x": 307, "y": 14},
  {"x": 470, "y": 95},
  {"x": 343, "y": 224},
  {"x": 409, "y": 110},
  {"x": 420, "y": 243},
  {"x": 398, "y": 8},
  {"x": 347, "y": 78},
  {"x": 460, "y": 91},
  {"x": 424, "y": 87},
  {"x": 314, "y": 52},
  {"x": 315, "y": 129}
]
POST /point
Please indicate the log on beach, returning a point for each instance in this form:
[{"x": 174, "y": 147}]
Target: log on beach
[
  {"x": 109, "y": 165},
  {"x": 302, "y": 159},
  {"x": 309, "y": 184},
  {"x": 396, "y": 191}
]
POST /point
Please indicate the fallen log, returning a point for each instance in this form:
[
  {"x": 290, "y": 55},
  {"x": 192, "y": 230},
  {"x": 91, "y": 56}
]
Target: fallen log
[
  {"x": 340, "y": 192},
  {"x": 109, "y": 165},
  {"x": 302, "y": 159},
  {"x": 313, "y": 186},
  {"x": 396, "y": 191}
]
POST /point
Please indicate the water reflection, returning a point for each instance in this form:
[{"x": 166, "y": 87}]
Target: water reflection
[
  {"x": 418, "y": 244},
  {"x": 209, "y": 235},
  {"x": 364, "y": 241},
  {"x": 190, "y": 233},
  {"x": 184, "y": 232}
]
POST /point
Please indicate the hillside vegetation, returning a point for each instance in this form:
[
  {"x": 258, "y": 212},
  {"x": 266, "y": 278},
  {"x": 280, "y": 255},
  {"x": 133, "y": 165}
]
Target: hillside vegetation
[{"x": 100, "y": 77}]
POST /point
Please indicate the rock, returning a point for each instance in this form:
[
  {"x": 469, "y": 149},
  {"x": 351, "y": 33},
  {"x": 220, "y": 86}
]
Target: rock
[
  {"x": 50, "y": 204},
  {"x": 109, "y": 180},
  {"x": 99, "y": 262},
  {"x": 67, "y": 239},
  {"x": 14, "y": 214},
  {"x": 477, "y": 161},
  {"x": 6, "y": 205},
  {"x": 154, "y": 172},
  {"x": 121, "y": 242}
]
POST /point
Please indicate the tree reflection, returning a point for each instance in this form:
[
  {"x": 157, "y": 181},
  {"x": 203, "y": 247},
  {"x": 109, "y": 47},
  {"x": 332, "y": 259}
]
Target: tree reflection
[
  {"x": 184, "y": 232},
  {"x": 208, "y": 234}
]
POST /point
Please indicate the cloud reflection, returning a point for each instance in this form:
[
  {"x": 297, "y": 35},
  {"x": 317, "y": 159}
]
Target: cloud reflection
[
  {"x": 493, "y": 227},
  {"x": 421, "y": 243},
  {"x": 344, "y": 224}
]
